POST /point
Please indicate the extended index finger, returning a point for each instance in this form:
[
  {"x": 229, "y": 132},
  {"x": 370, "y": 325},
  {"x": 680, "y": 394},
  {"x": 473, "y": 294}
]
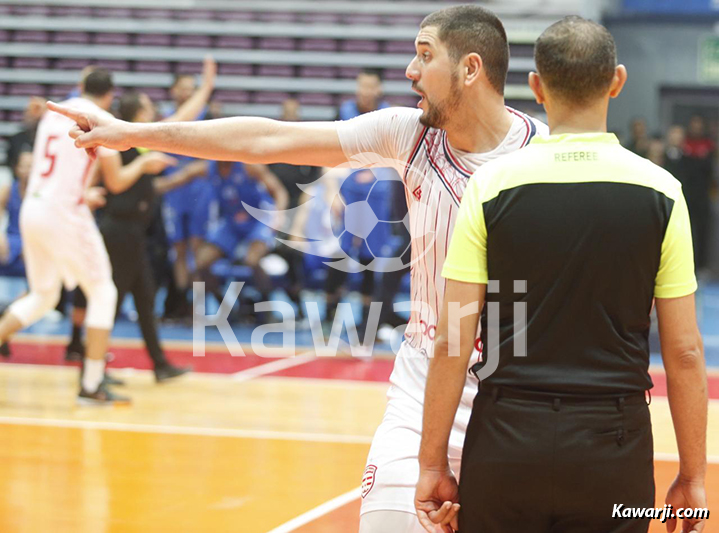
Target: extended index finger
[{"x": 73, "y": 114}]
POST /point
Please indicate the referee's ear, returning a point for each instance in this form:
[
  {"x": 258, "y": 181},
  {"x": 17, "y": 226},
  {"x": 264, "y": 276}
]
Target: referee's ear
[
  {"x": 535, "y": 83},
  {"x": 620, "y": 78}
]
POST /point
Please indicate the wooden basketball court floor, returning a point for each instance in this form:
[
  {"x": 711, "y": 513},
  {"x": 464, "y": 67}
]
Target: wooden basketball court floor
[{"x": 246, "y": 444}]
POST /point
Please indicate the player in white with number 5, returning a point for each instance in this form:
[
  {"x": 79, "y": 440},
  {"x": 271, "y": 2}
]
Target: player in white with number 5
[
  {"x": 61, "y": 242},
  {"x": 459, "y": 70}
]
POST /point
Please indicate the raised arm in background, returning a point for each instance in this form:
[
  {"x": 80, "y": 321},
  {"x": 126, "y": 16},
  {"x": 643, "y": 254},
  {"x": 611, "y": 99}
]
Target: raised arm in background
[{"x": 194, "y": 105}]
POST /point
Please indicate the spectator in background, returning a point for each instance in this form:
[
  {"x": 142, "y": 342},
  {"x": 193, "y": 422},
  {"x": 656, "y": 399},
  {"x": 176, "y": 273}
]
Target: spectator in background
[
  {"x": 368, "y": 96},
  {"x": 11, "y": 195},
  {"x": 638, "y": 141},
  {"x": 183, "y": 223},
  {"x": 674, "y": 152},
  {"x": 699, "y": 152},
  {"x": 291, "y": 177},
  {"x": 237, "y": 185},
  {"x": 656, "y": 150},
  {"x": 24, "y": 140}
]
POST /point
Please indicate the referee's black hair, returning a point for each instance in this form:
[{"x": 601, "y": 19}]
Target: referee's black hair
[
  {"x": 130, "y": 105},
  {"x": 98, "y": 83},
  {"x": 470, "y": 29},
  {"x": 576, "y": 59}
]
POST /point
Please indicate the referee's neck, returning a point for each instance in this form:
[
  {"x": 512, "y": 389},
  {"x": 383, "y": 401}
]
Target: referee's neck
[{"x": 589, "y": 117}]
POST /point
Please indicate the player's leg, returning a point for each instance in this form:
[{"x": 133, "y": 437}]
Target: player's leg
[
  {"x": 392, "y": 471},
  {"x": 390, "y": 522},
  {"x": 84, "y": 260},
  {"x": 75, "y": 351},
  {"x": 143, "y": 293},
  {"x": 261, "y": 239},
  {"x": 43, "y": 275},
  {"x": 101, "y": 305}
]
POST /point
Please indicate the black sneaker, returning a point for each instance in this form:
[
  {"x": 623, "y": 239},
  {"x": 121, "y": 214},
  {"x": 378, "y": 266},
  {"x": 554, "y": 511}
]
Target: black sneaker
[
  {"x": 109, "y": 380},
  {"x": 163, "y": 373},
  {"x": 5, "y": 349},
  {"x": 75, "y": 352},
  {"x": 102, "y": 396}
]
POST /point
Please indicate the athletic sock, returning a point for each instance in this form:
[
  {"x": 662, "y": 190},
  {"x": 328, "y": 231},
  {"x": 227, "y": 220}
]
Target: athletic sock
[{"x": 93, "y": 374}]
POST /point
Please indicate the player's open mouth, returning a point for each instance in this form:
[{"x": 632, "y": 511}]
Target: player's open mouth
[{"x": 421, "y": 97}]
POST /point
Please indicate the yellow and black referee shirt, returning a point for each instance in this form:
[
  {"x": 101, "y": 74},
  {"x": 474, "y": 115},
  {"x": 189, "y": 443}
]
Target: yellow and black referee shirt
[{"x": 597, "y": 232}]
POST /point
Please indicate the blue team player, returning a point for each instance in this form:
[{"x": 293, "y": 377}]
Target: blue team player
[
  {"x": 183, "y": 209},
  {"x": 368, "y": 96},
  {"x": 11, "y": 263},
  {"x": 233, "y": 232}
]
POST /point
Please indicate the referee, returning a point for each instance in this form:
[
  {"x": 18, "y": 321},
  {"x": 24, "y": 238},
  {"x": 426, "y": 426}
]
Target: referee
[{"x": 583, "y": 235}]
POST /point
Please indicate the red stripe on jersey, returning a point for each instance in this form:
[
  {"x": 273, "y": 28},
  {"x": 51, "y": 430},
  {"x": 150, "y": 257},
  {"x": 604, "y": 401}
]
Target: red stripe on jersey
[
  {"x": 443, "y": 179},
  {"x": 414, "y": 152}
]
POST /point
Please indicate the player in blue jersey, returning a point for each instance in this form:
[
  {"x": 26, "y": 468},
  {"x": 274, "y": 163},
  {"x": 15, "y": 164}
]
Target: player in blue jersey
[
  {"x": 368, "y": 96},
  {"x": 235, "y": 184},
  {"x": 182, "y": 214},
  {"x": 11, "y": 263}
]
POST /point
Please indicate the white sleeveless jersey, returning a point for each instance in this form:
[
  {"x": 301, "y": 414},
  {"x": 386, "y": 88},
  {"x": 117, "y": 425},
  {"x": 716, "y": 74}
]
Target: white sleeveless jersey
[
  {"x": 435, "y": 176},
  {"x": 60, "y": 171}
]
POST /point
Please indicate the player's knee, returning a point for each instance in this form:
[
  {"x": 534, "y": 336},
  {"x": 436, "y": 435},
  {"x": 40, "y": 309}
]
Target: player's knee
[
  {"x": 389, "y": 522},
  {"x": 33, "y": 306},
  {"x": 101, "y": 304}
]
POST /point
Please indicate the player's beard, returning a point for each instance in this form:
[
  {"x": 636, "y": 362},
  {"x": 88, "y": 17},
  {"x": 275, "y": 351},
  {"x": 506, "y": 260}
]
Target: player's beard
[{"x": 438, "y": 114}]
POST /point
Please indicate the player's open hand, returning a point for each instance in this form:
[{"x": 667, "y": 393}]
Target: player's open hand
[
  {"x": 436, "y": 501},
  {"x": 91, "y": 130},
  {"x": 94, "y": 197},
  {"x": 687, "y": 494}
]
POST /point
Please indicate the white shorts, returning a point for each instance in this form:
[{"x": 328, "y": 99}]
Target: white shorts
[
  {"x": 392, "y": 470},
  {"x": 61, "y": 245}
]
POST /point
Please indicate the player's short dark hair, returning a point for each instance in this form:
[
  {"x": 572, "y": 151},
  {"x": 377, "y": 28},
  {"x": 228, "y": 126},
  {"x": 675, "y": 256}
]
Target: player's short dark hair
[
  {"x": 473, "y": 29},
  {"x": 130, "y": 105},
  {"x": 98, "y": 82},
  {"x": 377, "y": 73},
  {"x": 576, "y": 59}
]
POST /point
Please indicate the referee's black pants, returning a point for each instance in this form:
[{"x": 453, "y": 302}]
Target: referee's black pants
[
  {"x": 126, "y": 245},
  {"x": 553, "y": 465}
]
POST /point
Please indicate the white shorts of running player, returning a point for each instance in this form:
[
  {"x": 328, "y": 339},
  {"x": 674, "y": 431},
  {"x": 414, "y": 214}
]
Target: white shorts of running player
[
  {"x": 62, "y": 246},
  {"x": 392, "y": 467}
]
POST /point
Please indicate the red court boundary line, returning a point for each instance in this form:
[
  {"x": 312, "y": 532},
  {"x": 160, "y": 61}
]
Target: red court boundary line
[{"x": 130, "y": 353}]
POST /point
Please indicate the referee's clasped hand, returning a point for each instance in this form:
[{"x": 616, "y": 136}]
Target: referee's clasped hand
[{"x": 436, "y": 501}]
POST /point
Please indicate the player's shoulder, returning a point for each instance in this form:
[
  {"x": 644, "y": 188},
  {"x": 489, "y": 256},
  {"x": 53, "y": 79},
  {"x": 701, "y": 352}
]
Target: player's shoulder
[{"x": 395, "y": 115}]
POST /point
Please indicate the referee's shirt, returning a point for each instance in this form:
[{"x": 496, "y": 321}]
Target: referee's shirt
[{"x": 597, "y": 232}]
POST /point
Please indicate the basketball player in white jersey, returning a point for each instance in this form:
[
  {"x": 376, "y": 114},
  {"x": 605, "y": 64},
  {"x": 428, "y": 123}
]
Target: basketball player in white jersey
[
  {"x": 61, "y": 242},
  {"x": 459, "y": 70}
]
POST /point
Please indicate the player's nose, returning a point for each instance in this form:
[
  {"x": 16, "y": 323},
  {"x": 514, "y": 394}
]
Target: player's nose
[{"x": 412, "y": 71}]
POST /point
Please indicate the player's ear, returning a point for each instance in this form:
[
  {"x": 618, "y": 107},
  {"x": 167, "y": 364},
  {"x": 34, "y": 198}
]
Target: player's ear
[
  {"x": 472, "y": 68},
  {"x": 535, "y": 83},
  {"x": 620, "y": 78}
]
